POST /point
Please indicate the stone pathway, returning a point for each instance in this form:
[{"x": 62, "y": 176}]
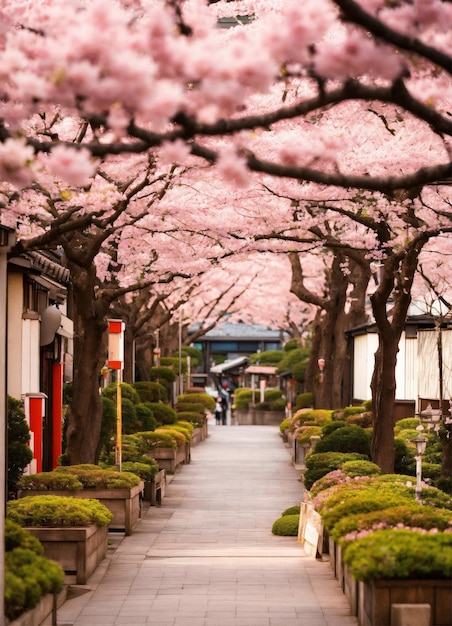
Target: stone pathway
[{"x": 207, "y": 556}]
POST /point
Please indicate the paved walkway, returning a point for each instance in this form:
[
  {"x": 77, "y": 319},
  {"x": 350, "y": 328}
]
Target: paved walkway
[{"x": 207, "y": 556}]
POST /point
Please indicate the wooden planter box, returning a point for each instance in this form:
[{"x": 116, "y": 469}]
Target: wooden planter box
[
  {"x": 196, "y": 436},
  {"x": 77, "y": 549},
  {"x": 154, "y": 489},
  {"x": 125, "y": 504},
  {"x": 376, "y": 597},
  {"x": 44, "y": 613},
  {"x": 169, "y": 458}
]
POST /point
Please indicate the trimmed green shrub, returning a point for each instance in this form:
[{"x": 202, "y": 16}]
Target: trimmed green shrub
[
  {"x": 127, "y": 392},
  {"x": 74, "y": 477},
  {"x": 179, "y": 435},
  {"x": 286, "y": 526},
  {"x": 200, "y": 398},
  {"x": 406, "y": 423},
  {"x": 306, "y": 432},
  {"x": 304, "y": 400},
  {"x": 145, "y": 417},
  {"x": 346, "y": 439},
  {"x": 192, "y": 407},
  {"x": 292, "y": 510},
  {"x": 267, "y": 357},
  {"x": 55, "y": 511},
  {"x": 404, "y": 463},
  {"x": 412, "y": 515},
  {"x": 19, "y": 453},
  {"x": 157, "y": 439},
  {"x": 145, "y": 471},
  {"x": 173, "y": 363},
  {"x": 129, "y": 416},
  {"x": 329, "y": 427},
  {"x": 163, "y": 413},
  {"x": 28, "y": 575},
  {"x": 196, "y": 419},
  {"x": 149, "y": 391},
  {"x": 353, "y": 410},
  {"x": 319, "y": 464},
  {"x": 284, "y": 425},
  {"x": 397, "y": 554},
  {"x": 165, "y": 375},
  {"x": 360, "y": 468}
]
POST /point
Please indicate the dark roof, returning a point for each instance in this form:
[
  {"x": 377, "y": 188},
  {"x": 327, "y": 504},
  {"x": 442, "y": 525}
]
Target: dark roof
[{"x": 240, "y": 330}]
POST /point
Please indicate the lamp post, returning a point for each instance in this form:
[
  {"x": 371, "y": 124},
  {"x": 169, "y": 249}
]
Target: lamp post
[{"x": 420, "y": 443}]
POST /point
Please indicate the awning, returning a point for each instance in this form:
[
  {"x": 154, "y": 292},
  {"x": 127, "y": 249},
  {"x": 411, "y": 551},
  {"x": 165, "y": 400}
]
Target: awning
[
  {"x": 265, "y": 370},
  {"x": 229, "y": 365}
]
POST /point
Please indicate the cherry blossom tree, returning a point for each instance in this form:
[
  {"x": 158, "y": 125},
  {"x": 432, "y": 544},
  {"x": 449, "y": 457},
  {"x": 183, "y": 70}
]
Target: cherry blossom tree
[{"x": 321, "y": 110}]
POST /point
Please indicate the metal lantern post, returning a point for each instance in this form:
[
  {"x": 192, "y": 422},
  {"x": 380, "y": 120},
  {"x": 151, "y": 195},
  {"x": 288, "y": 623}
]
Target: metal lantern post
[
  {"x": 420, "y": 443},
  {"x": 116, "y": 361}
]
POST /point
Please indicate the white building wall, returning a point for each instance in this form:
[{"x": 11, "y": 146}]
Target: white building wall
[
  {"x": 14, "y": 336},
  {"x": 365, "y": 347},
  {"x": 428, "y": 386}
]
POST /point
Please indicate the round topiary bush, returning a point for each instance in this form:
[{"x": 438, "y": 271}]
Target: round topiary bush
[
  {"x": 163, "y": 413},
  {"x": 397, "y": 554},
  {"x": 292, "y": 510},
  {"x": 145, "y": 417},
  {"x": 286, "y": 526},
  {"x": 56, "y": 511},
  {"x": 153, "y": 391},
  {"x": 360, "y": 468},
  {"x": 28, "y": 575},
  {"x": 320, "y": 464},
  {"x": 127, "y": 391},
  {"x": 346, "y": 439}
]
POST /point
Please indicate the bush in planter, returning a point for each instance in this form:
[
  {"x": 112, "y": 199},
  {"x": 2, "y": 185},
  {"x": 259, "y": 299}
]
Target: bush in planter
[
  {"x": 304, "y": 400},
  {"x": 331, "y": 426},
  {"x": 56, "y": 511},
  {"x": 146, "y": 471},
  {"x": 197, "y": 420},
  {"x": 153, "y": 391},
  {"x": 413, "y": 515},
  {"x": 75, "y": 477},
  {"x": 127, "y": 392},
  {"x": 348, "y": 470},
  {"x": 346, "y": 439},
  {"x": 286, "y": 526},
  {"x": 179, "y": 437},
  {"x": 205, "y": 399},
  {"x": 191, "y": 407},
  {"x": 319, "y": 464},
  {"x": 306, "y": 432},
  {"x": 400, "y": 554},
  {"x": 160, "y": 439},
  {"x": 19, "y": 453},
  {"x": 28, "y": 575},
  {"x": 145, "y": 417},
  {"x": 163, "y": 413}
]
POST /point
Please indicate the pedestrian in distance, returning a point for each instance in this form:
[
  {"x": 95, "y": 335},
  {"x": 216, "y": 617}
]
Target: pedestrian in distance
[{"x": 218, "y": 411}]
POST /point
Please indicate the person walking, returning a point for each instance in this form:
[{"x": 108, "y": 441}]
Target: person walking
[{"x": 218, "y": 411}]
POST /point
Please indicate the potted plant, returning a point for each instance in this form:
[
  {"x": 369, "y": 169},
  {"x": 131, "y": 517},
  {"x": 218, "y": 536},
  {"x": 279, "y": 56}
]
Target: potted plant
[
  {"x": 120, "y": 492},
  {"x": 166, "y": 447},
  {"x": 72, "y": 531},
  {"x": 34, "y": 585}
]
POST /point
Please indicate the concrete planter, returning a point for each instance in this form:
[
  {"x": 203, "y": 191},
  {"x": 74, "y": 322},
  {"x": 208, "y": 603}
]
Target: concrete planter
[
  {"x": 44, "y": 613},
  {"x": 125, "y": 504},
  {"x": 375, "y": 599},
  {"x": 154, "y": 489},
  {"x": 254, "y": 417},
  {"x": 169, "y": 458},
  {"x": 196, "y": 436},
  {"x": 77, "y": 549}
]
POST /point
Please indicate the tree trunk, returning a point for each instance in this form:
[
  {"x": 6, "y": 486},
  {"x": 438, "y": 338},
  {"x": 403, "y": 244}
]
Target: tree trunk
[
  {"x": 383, "y": 387},
  {"x": 396, "y": 281},
  {"x": 90, "y": 353}
]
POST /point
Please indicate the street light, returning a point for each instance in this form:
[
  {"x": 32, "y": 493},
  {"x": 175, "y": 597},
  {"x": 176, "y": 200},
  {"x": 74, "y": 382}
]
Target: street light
[{"x": 420, "y": 443}]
